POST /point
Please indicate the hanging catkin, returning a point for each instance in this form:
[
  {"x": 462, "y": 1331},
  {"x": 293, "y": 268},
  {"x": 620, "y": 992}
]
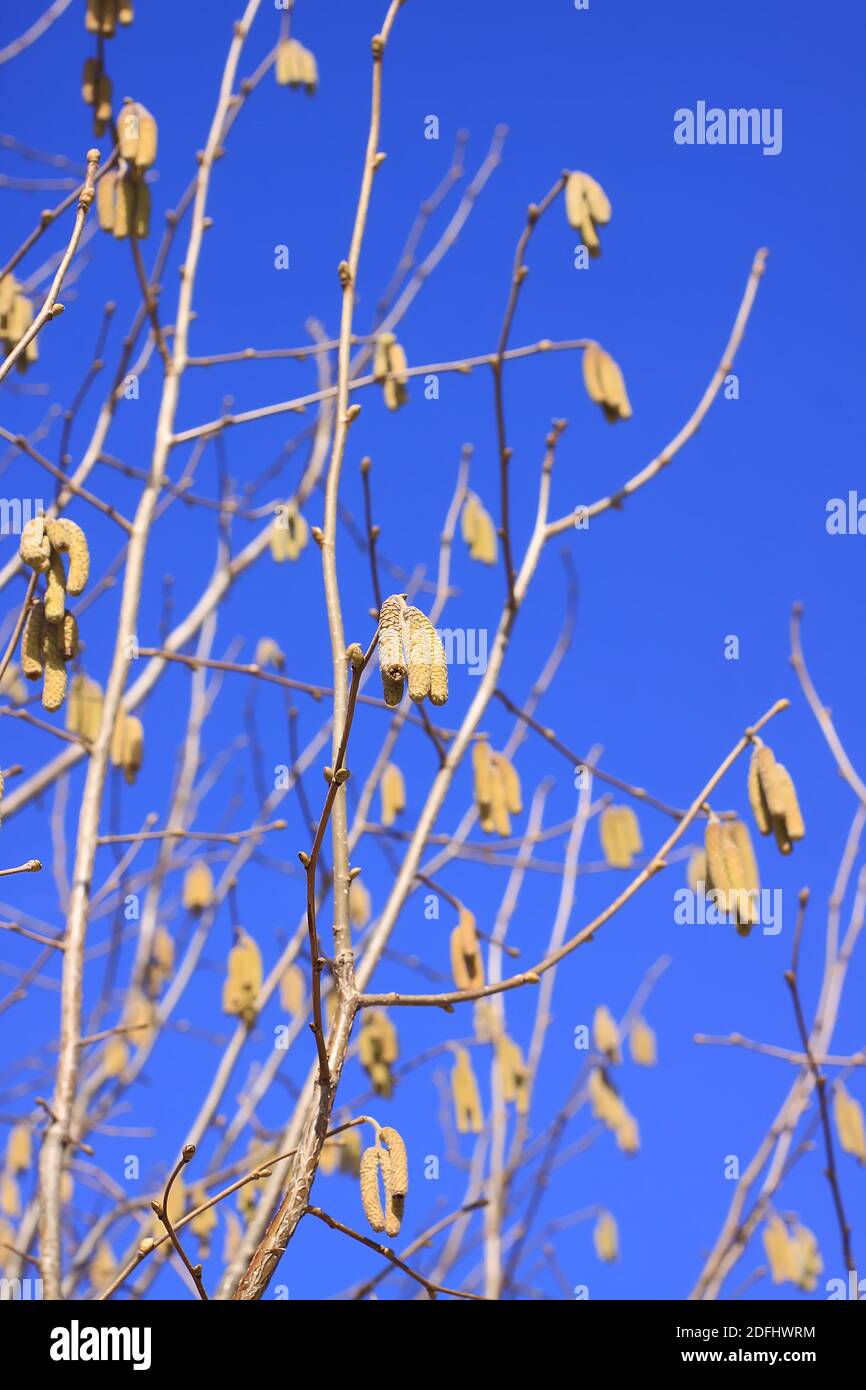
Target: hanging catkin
[
  {"x": 605, "y": 1034},
  {"x": 605, "y": 384},
  {"x": 428, "y": 667},
  {"x": 620, "y": 836},
  {"x": 396, "y": 1177},
  {"x": 198, "y": 887},
  {"x": 392, "y": 665},
  {"x": 378, "y": 1050},
  {"x": 848, "y": 1118},
  {"x": 642, "y": 1042},
  {"x": 468, "y": 1117},
  {"x": 32, "y": 663},
  {"x": 289, "y": 534},
  {"x": 587, "y": 207},
  {"x": 607, "y": 1104},
  {"x": 67, "y": 537},
  {"x": 389, "y": 368},
  {"x": 773, "y": 799},
  {"x": 84, "y": 707},
  {"x": 292, "y": 990},
  {"x": 513, "y": 1074},
  {"x": 127, "y": 745},
  {"x": 244, "y": 978},
  {"x": 606, "y": 1237},
  {"x": 54, "y": 683},
  {"x": 467, "y": 966},
  {"x": 627, "y": 1134},
  {"x": 19, "y": 1149},
  {"x": 479, "y": 531},
  {"x": 392, "y": 791},
  {"x": 137, "y": 135},
  {"x": 369, "y": 1184}
]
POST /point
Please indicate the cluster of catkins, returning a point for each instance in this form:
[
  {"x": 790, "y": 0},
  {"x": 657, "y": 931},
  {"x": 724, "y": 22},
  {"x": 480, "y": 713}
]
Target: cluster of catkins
[
  {"x": 620, "y": 836},
  {"x": 793, "y": 1255},
  {"x": 496, "y": 788},
  {"x": 478, "y": 530},
  {"x": 386, "y": 1159},
  {"x": 378, "y": 1050},
  {"x": 606, "y": 1101},
  {"x": 50, "y": 635},
  {"x": 389, "y": 369},
  {"x": 605, "y": 384},
  {"x": 773, "y": 798},
  {"x": 16, "y": 316},
  {"x": 587, "y": 208},
  {"x": 296, "y": 66},
  {"x": 410, "y": 645},
  {"x": 123, "y": 199}
]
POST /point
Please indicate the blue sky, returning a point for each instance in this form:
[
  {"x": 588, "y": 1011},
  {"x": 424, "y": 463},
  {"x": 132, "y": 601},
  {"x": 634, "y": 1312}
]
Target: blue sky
[{"x": 720, "y": 544}]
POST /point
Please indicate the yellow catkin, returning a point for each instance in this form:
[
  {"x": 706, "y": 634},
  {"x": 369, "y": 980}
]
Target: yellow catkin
[
  {"x": 806, "y": 1261},
  {"x": 289, "y": 534},
  {"x": 605, "y": 384},
  {"x": 89, "y": 76},
  {"x": 244, "y": 978},
  {"x": 848, "y": 1118},
  {"x": 115, "y": 1056},
  {"x": 141, "y": 210},
  {"x": 292, "y": 990},
  {"x": 54, "y": 683},
  {"x": 296, "y": 66},
  {"x": 420, "y": 655},
  {"x": 69, "y": 637},
  {"x": 627, "y": 1135},
  {"x": 371, "y": 1201},
  {"x": 696, "y": 871},
  {"x": 642, "y": 1042},
  {"x": 101, "y": 17},
  {"x": 360, "y": 904},
  {"x": 268, "y": 653},
  {"x": 392, "y": 791},
  {"x": 102, "y": 106},
  {"x": 84, "y": 707},
  {"x": 137, "y": 135},
  {"x": 482, "y": 778},
  {"x": 762, "y": 758},
  {"x": 620, "y": 836},
  {"x": 505, "y": 794},
  {"x": 605, "y": 1033},
  {"x": 606, "y": 1237},
  {"x": 396, "y": 1177},
  {"x": 578, "y": 214},
  {"x": 717, "y": 877},
  {"x": 198, "y": 887},
  {"x": 392, "y": 664},
  {"x": 511, "y": 784},
  {"x": 438, "y": 672},
  {"x": 389, "y": 368},
  {"x": 68, "y": 538},
  {"x": 106, "y": 196},
  {"x": 789, "y": 815},
  {"x": 468, "y": 1116},
  {"x": 32, "y": 661},
  {"x": 479, "y": 531},
  {"x": 139, "y": 1015},
  {"x": 10, "y": 1196},
  {"x": 467, "y": 967},
  {"x": 34, "y": 547},
  {"x": 161, "y": 961},
  {"x": 513, "y": 1074},
  {"x": 19, "y": 1149},
  {"x": 378, "y": 1050},
  {"x": 127, "y": 745},
  {"x": 606, "y": 1103},
  {"x": 55, "y": 590}
]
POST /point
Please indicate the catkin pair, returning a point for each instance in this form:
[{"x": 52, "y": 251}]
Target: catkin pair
[
  {"x": 289, "y": 534},
  {"x": 468, "y": 1116},
  {"x": 296, "y": 66},
  {"x": 392, "y": 791},
  {"x": 732, "y": 871},
  {"x": 409, "y": 645},
  {"x": 137, "y": 135},
  {"x": 620, "y": 836},
  {"x": 467, "y": 966},
  {"x": 127, "y": 745},
  {"x": 478, "y": 531},
  {"x": 389, "y": 369},
  {"x": 198, "y": 891},
  {"x": 391, "y": 1164},
  {"x": 605, "y": 384},
  {"x": 42, "y": 545},
  {"x": 773, "y": 798},
  {"x": 123, "y": 205},
  {"x": 378, "y": 1050},
  {"x": 587, "y": 207},
  {"x": 46, "y": 647},
  {"x": 793, "y": 1255},
  {"x": 16, "y": 316},
  {"x": 496, "y": 789},
  {"x": 244, "y": 978}
]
